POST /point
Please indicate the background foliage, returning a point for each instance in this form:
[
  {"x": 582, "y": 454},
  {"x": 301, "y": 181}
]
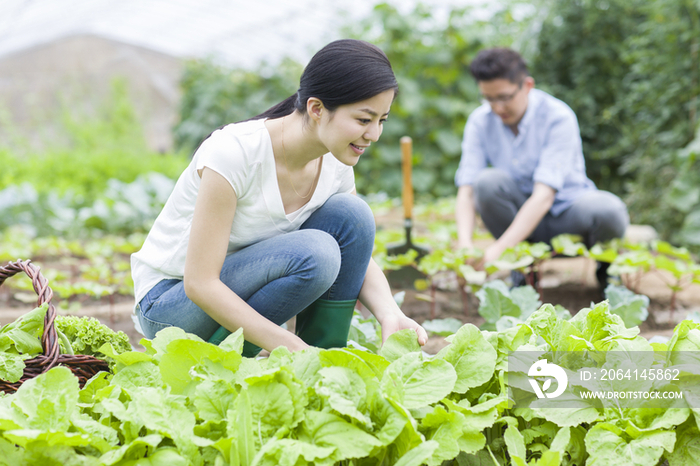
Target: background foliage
[
  {"x": 435, "y": 97},
  {"x": 214, "y": 95},
  {"x": 93, "y": 149},
  {"x": 101, "y": 177},
  {"x": 630, "y": 71}
]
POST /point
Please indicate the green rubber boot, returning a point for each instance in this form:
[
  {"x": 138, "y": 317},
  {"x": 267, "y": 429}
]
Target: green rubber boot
[
  {"x": 325, "y": 323},
  {"x": 249, "y": 349}
]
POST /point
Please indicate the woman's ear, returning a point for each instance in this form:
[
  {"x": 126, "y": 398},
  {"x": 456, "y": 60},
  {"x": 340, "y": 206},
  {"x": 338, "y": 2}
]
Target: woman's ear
[{"x": 315, "y": 108}]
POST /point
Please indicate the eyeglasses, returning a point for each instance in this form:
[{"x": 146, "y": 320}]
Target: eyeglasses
[{"x": 502, "y": 99}]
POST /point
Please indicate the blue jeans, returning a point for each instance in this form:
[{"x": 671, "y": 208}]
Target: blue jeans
[{"x": 279, "y": 277}]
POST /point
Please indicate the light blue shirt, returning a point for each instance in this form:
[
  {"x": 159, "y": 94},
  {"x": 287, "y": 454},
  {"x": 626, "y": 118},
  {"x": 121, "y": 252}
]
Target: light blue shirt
[{"x": 547, "y": 149}]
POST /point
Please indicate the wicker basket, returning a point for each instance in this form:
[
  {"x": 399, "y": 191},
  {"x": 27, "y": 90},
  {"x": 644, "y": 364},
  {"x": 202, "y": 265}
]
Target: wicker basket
[{"x": 83, "y": 366}]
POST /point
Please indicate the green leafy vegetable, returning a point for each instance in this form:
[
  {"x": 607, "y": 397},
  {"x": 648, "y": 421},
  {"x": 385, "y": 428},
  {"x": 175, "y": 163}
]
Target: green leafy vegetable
[{"x": 86, "y": 335}]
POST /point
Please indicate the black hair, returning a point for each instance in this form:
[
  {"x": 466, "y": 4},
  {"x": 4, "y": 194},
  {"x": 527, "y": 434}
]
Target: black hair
[
  {"x": 343, "y": 72},
  {"x": 499, "y": 63}
]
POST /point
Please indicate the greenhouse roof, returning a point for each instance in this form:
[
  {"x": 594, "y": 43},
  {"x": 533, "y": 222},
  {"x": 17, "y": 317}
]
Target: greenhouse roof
[{"x": 236, "y": 32}]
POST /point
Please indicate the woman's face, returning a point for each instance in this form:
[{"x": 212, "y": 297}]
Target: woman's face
[{"x": 350, "y": 129}]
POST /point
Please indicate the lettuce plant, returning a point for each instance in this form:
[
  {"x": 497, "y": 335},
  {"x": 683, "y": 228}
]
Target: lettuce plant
[{"x": 184, "y": 402}]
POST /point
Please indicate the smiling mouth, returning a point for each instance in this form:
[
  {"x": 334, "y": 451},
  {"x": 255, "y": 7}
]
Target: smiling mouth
[{"x": 358, "y": 149}]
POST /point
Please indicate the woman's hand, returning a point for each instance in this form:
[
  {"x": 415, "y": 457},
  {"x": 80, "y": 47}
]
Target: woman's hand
[
  {"x": 376, "y": 296},
  {"x": 395, "y": 322}
]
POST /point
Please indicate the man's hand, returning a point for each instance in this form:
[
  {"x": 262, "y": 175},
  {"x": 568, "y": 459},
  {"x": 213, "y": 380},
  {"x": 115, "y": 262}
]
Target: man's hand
[
  {"x": 394, "y": 322},
  {"x": 524, "y": 223},
  {"x": 465, "y": 244},
  {"x": 493, "y": 252}
]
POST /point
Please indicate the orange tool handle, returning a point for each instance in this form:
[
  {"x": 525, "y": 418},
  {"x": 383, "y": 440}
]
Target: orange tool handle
[{"x": 406, "y": 169}]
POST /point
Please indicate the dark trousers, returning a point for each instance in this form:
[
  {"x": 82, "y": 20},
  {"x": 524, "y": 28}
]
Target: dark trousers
[{"x": 596, "y": 215}]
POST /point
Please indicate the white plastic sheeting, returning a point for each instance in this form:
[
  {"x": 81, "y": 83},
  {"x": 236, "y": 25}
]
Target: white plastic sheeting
[{"x": 236, "y": 32}]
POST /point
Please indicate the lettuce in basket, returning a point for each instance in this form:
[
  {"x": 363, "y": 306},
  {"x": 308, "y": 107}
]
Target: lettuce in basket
[
  {"x": 85, "y": 335},
  {"x": 20, "y": 340}
]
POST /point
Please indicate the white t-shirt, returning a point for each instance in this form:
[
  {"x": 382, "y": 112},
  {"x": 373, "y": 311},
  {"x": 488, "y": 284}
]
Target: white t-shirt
[{"x": 242, "y": 154}]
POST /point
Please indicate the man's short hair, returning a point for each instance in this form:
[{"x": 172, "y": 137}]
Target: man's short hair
[{"x": 499, "y": 63}]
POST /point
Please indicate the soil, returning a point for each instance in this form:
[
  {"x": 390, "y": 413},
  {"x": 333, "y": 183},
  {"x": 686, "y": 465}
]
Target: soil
[{"x": 569, "y": 282}]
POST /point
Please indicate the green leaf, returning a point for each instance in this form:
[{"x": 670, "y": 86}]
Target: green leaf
[
  {"x": 158, "y": 346},
  {"x": 560, "y": 334},
  {"x": 416, "y": 383},
  {"x": 676, "y": 267},
  {"x": 163, "y": 456},
  {"x": 331, "y": 431},
  {"x": 607, "y": 447},
  {"x": 11, "y": 366},
  {"x": 139, "y": 374},
  {"x": 22, "y": 336},
  {"x": 473, "y": 358},
  {"x": 442, "y": 327},
  {"x": 566, "y": 410},
  {"x": 400, "y": 343},
  {"x": 345, "y": 392},
  {"x": 687, "y": 447},
  {"x": 602, "y": 253},
  {"x": 291, "y": 452},
  {"x": 479, "y": 416},
  {"x": 666, "y": 248},
  {"x": 365, "y": 332},
  {"x": 516, "y": 444},
  {"x": 157, "y": 411},
  {"x": 10, "y": 453},
  {"x": 94, "y": 389},
  {"x": 448, "y": 141},
  {"x": 50, "y": 400},
  {"x": 213, "y": 398},
  {"x": 31, "y": 438},
  {"x": 124, "y": 359},
  {"x": 495, "y": 301},
  {"x": 527, "y": 299},
  {"x": 603, "y": 329},
  {"x": 139, "y": 448},
  {"x": 690, "y": 230},
  {"x": 509, "y": 263},
  {"x": 377, "y": 363},
  {"x": 630, "y": 306},
  {"x": 243, "y": 449},
  {"x": 358, "y": 361},
  {"x": 391, "y": 422},
  {"x": 233, "y": 342},
  {"x": 306, "y": 365},
  {"x": 561, "y": 441},
  {"x": 686, "y": 337},
  {"x": 86, "y": 335},
  {"x": 182, "y": 356},
  {"x": 682, "y": 195},
  {"x": 277, "y": 402},
  {"x": 452, "y": 433},
  {"x": 418, "y": 455},
  {"x": 472, "y": 276},
  {"x": 569, "y": 245}
]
